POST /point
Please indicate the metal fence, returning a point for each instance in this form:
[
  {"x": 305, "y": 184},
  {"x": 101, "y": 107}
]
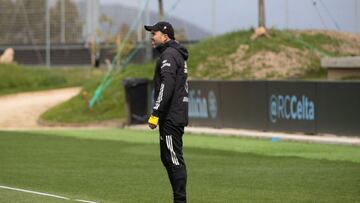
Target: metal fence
[
  {"x": 39, "y": 27},
  {"x": 27, "y": 22},
  {"x": 39, "y": 24},
  {"x": 54, "y": 32}
]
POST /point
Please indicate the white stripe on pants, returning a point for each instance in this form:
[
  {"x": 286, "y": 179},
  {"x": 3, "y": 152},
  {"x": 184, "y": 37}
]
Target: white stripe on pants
[{"x": 169, "y": 145}]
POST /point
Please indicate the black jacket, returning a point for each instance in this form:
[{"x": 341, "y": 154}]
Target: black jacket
[{"x": 170, "y": 84}]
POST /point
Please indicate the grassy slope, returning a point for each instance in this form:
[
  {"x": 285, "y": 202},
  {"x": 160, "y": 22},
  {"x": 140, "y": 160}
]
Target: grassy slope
[
  {"x": 227, "y": 44},
  {"x": 112, "y": 104},
  {"x": 15, "y": 78},
  {"x": 124, "y": 166}
]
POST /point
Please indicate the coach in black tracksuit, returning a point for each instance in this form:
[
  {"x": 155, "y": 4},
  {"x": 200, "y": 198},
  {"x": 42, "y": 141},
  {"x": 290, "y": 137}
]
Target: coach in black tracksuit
[{"x": 170, "y": 109}]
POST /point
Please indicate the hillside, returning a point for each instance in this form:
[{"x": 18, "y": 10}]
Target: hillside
[{"x": 282, "y": 55}]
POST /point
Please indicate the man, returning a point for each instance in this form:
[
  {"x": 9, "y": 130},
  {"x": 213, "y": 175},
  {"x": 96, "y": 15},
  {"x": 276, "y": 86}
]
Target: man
[{"x": 170, "y": 110}]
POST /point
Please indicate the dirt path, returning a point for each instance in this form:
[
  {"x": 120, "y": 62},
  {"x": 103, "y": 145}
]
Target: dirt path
[{"x": 22, "y": 111}]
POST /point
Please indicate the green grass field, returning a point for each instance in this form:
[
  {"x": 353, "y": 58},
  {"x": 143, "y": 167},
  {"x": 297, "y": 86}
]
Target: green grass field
[{"x": 114, "y": 165}]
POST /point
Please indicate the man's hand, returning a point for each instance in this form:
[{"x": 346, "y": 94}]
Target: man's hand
[{"x": 153, "y": 122}]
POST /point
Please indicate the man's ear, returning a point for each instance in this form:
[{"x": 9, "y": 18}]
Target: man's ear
[{"x": 167, "y": 38}]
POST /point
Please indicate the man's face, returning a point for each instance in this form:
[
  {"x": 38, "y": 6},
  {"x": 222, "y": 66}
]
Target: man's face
[{"x": 158, "y": 38}]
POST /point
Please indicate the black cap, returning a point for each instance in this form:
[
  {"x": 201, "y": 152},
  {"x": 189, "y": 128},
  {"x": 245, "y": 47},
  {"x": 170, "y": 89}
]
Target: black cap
[{"x": 163, "y": 27}]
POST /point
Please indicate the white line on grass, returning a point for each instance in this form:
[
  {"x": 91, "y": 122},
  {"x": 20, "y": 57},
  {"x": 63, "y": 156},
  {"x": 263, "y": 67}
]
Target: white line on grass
[
  {"x": 34, "y": 192},
  {"x": 80, "y": 200},
  {"x": 42, "y": 193}
]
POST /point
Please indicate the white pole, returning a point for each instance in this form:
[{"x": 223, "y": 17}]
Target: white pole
[
  {"x": 96, "y": 15},
  {"x": 62, "y": 32},
  {"x": 92, "y": 17},
  {"x": 47, "y": 7},
  {"x": 88, "y": 20}
]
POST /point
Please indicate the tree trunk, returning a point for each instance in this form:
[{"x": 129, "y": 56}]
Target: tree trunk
[
  {"x": 261, "y": 13},
  {"x": 161, "y": 11}
]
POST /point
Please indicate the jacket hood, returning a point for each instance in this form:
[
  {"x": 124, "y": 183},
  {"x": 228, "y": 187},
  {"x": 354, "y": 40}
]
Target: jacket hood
[{"x": 172, "y": 43}]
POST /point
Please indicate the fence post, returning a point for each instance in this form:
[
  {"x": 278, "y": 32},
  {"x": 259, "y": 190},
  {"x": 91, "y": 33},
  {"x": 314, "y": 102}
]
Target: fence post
[{"x": 47, "y": 7}]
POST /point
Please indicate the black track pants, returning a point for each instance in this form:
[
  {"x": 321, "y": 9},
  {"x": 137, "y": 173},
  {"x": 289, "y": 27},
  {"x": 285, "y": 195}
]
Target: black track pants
[{"x": 172, "y": 157}]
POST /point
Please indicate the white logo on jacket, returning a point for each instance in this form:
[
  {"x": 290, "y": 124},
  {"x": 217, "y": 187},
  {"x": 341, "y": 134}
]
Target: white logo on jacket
[
  {"x": 164, "y": 64},
  {"x": 185, "y": 67}
]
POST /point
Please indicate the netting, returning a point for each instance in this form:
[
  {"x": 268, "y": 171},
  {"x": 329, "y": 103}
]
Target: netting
[{"x": 24, "y": 22}]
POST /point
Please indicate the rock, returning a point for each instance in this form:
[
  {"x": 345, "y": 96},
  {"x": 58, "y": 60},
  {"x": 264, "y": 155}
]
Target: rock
[
  {"x": 259, "y": 32},
  {"x": 8, "y": 56}
]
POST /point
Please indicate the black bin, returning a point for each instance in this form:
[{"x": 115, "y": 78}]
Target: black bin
[{"x": 136, "y": 91}]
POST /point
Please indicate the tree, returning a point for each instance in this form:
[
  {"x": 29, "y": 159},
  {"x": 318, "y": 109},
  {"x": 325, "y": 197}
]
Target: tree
[
  {"x": 261, "y": 13},
  {"x": 161, "y": 10},
  {"x": 260, "y": 31}
]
